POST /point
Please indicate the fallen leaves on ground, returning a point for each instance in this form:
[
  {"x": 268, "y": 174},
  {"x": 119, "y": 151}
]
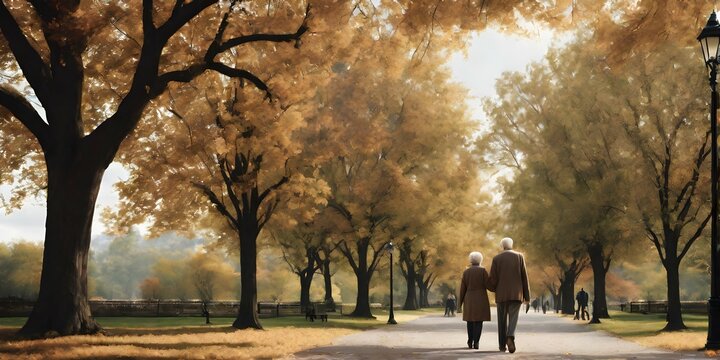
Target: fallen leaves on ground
[{"x": 176, "y": 343}]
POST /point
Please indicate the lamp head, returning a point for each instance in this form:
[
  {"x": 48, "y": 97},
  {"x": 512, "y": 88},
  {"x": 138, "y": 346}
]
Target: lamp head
[{"x": 709, "y": 39}]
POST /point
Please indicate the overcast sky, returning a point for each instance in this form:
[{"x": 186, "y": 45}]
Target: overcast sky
[{"x": 489, "y": 55}]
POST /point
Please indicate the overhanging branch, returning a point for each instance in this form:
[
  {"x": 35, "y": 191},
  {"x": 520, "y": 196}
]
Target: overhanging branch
[
  {"x": 35, "y": 70},
  {"x": 23, "y": 111}
]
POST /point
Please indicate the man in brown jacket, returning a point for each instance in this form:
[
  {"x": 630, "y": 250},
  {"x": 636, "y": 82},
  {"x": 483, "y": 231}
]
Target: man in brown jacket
[{"x": 509, "y": 279}]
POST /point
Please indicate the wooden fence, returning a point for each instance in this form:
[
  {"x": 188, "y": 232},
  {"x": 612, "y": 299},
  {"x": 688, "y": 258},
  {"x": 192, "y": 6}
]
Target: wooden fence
[
  {"x": 660, "y": 307},
  {"x": 162, "y": 308}
]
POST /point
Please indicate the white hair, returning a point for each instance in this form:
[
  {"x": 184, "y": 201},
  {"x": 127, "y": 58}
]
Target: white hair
[
  {"x": 506, "y": 243},
  {"x": 475, "y": 257}
]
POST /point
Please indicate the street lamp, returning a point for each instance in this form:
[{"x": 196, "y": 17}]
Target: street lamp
[
  {"x": 389, "y": 248},
  {"x": 710, "y": 42}
]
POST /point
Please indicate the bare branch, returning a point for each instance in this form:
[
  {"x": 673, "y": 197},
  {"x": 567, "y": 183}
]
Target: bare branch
[{"x": 294, "y": 37}]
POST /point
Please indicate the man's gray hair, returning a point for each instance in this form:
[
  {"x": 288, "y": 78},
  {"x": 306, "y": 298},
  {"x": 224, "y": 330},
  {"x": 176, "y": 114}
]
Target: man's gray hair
[
  {"x": 506, "y": 243},
  {"x": 475, "y": 257}
]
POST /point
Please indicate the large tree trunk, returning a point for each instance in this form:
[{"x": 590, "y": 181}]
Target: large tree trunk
[
  {"x": 421, "y": 291},
  {"x": 407, "y": 267},
  {"x": 557, "y": 302},
  {"x": 62, "y": 305},
  {"x": 327, "y": 277},
  {"x": 362, "y": 302},
  {"x": 600, "y": 265},
  {"x": 363, "y": 273},
  {"x": 411, "y": 300},
  {"x": 424, "y": 290},
  {"x": 306, "y": 278},
  {"x": 247, "y": 311},
  {"x": 567, "y": 292},
  {"x": 557, "y": 298},
  {"x": 674, "y": 311},
  {"x": 305, "y": 283}
]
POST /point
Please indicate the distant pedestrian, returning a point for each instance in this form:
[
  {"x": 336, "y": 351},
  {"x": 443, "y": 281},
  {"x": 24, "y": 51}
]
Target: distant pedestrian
[
  {"x": 545, "y": 307},
  {"x": 447, "y": 306},
  {"x": 535, "y": 304},
  {"x": 453, "y": 304},
  {"x": 582, "y": 298},
  {"x": 473, "y": 294}
]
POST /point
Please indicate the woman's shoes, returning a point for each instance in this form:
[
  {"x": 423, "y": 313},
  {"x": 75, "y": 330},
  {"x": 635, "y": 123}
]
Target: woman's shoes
[
  {"x": 470, "y": 344},
  {"x": 476, "y": 346}
]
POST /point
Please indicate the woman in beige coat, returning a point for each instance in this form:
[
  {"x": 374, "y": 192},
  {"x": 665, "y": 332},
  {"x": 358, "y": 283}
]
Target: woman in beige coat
[{"x": 473, "y": 294}]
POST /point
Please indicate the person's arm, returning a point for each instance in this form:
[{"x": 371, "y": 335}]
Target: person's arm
[
  {"x": 524, "y": 276},
  {"x": 463, "y": 289},
  {"x": 492, "y": 278},
  {"x": 486, "y": 279}
]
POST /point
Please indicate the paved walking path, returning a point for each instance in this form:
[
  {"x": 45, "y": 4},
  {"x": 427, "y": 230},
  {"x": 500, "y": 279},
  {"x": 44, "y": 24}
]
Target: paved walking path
[{"x": 538, "y": 337}]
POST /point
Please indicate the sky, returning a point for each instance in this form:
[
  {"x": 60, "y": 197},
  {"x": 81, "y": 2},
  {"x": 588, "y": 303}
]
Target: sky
[{"x": 489, "y": 54}]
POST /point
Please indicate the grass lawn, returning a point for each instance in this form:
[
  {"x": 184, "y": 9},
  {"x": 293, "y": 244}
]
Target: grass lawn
[
  {"x": 190, "y": 338},
  {"x": 645, "y": 329}
]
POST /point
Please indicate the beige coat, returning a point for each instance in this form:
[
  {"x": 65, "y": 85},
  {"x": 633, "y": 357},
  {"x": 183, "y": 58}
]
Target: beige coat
[
  {"x": 473, "y": 293},
  {"x": 509, "y": 278}
]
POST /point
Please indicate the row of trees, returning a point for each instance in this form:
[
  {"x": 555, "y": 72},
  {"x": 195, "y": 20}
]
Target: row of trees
[
  {"x": 609, "y": 160},
  {"x": 141, "y": 81}
]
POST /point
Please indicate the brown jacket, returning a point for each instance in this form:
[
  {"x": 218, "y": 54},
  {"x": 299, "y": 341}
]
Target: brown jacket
[
  {"x": 508, "y": 277},
  {"x": 473, "y": 293}
]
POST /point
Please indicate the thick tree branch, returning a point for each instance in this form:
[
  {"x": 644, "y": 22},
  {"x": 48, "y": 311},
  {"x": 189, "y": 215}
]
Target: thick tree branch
[
  {"x": 345, "y": 250},
  {"x": 219, "y": 206},
  {"x": 35, "y": 70},
  {"x": 222, "y": 165},
  {"x": 376, "y": 256},
  {"x": 217, "y": 47},
  {"x": 294, "y": 37},
  {"x": 691, "y": 185},
  {"x": 182, "y": 14},
  {"x": 695, "y": 236},
  {"x": 23, "y": 111},
  {"x": 147, "y": 17},
  {"x": 274, "y": 187}
]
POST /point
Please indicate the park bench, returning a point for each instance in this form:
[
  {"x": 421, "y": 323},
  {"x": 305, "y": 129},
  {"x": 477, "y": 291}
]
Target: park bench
[{"x": 317, "y": 310}]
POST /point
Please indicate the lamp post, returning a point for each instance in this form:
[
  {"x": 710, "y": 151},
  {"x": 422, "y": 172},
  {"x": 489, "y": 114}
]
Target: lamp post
[
  {"x": 710, "y": 43},
  {"x": 391, "y": 319}
]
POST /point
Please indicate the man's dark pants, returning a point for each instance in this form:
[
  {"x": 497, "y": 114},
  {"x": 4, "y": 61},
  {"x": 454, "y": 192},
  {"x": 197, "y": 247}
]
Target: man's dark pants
[{"x": 507, "y": 312}]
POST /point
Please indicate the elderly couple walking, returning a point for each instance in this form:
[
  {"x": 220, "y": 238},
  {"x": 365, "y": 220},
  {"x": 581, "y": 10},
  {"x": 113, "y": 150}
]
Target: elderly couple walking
[{"x": 508, "y": 280}]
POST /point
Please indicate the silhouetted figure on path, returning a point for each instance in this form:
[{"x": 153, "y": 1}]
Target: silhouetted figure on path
[
  {"x": 582, "y": 298},
  {"x": 450, "y": 305}
]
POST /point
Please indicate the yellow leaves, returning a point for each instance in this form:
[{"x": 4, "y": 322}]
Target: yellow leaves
[{"x": 220, "y": 146}]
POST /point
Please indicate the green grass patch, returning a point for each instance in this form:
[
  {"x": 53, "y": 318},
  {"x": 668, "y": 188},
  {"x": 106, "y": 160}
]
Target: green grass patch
[
  {"x": 634, "y": 324},
  {"x": 334, "y": 321},
  {"x": 647, "y": 330}
]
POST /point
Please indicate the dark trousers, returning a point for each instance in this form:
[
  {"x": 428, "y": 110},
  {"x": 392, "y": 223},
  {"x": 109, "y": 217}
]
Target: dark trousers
[
  {"x": 474, "y": 329},
  {"x": 507, "y": 320},
  {"x": 584, "y": 311}
]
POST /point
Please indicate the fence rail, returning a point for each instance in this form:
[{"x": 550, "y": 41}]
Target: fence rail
[
  {"x": 660, "y": 307},
  {"x": 163, "y": 308}
]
